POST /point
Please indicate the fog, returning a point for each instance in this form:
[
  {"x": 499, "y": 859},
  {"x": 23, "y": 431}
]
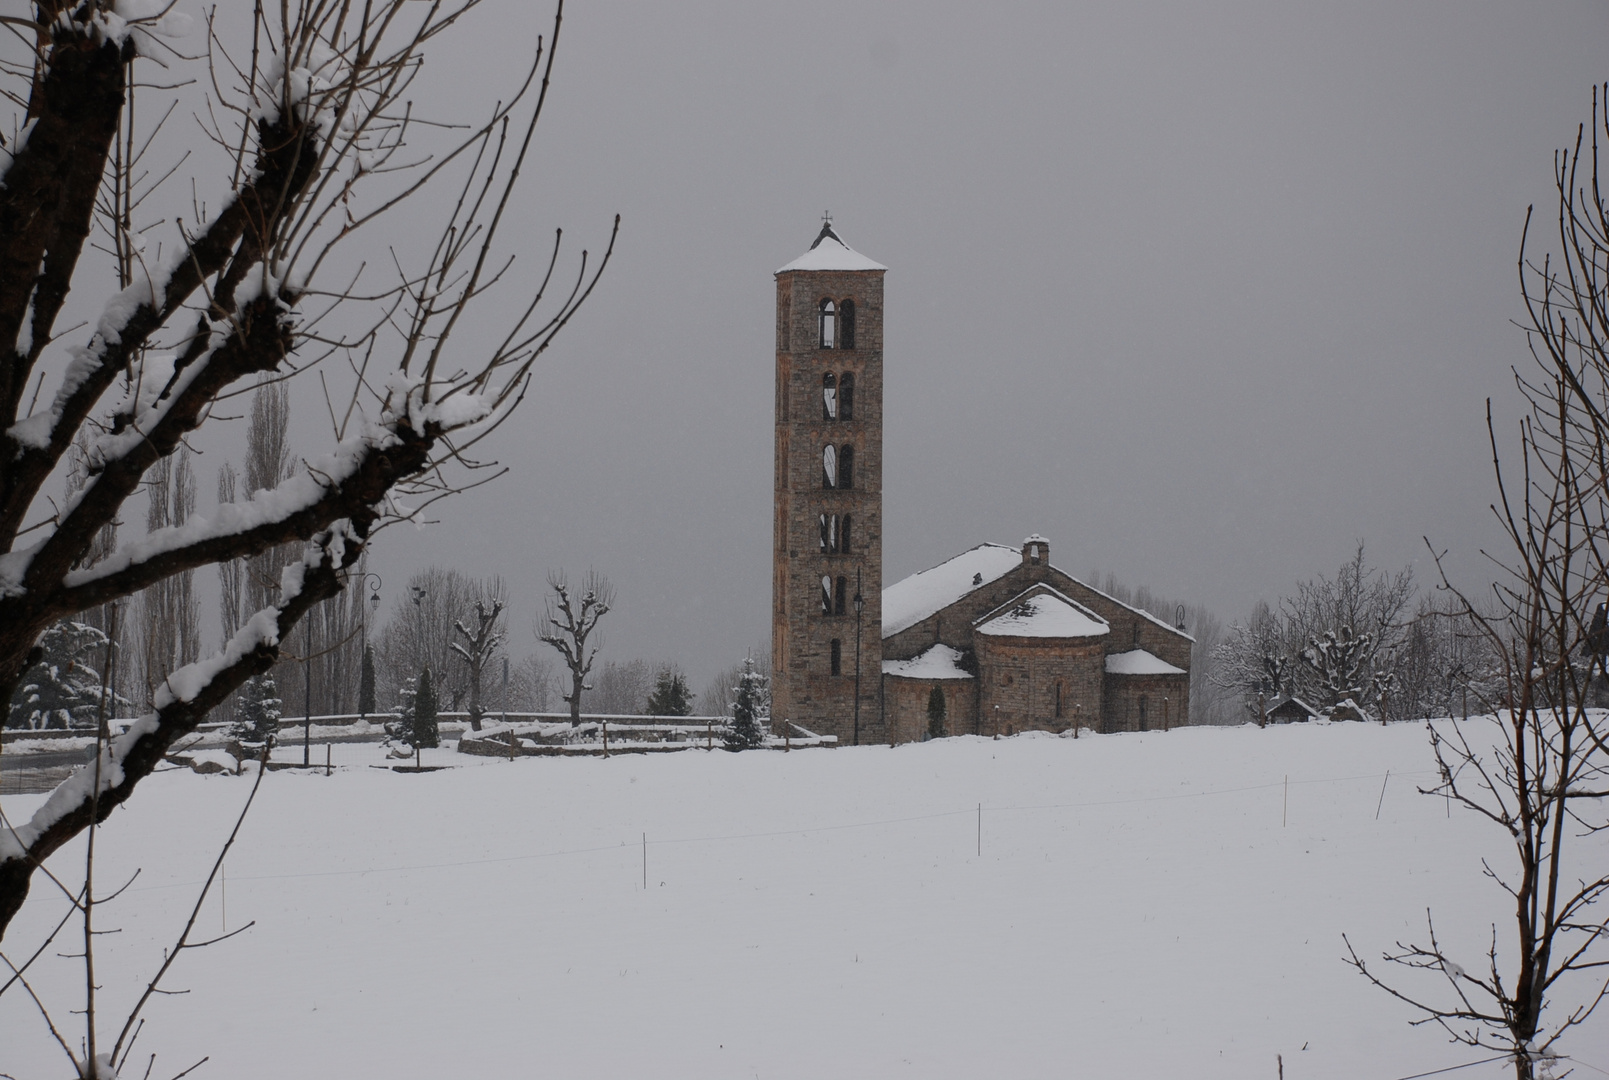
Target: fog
[{"x": 1204, "y": 293}]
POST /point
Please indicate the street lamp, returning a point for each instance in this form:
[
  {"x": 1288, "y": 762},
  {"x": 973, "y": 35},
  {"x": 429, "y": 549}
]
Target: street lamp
[
  {"x": 860, "y": 606},
  {"x": 363, "y": 613}
]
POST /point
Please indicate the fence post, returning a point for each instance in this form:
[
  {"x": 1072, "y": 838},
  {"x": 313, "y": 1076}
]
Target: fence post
[{"x": 605, "y": 738}]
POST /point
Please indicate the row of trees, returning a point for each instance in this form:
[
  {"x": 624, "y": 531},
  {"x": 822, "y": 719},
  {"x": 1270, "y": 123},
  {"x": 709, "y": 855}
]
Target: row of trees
[{"x": 1362, "y": 637}]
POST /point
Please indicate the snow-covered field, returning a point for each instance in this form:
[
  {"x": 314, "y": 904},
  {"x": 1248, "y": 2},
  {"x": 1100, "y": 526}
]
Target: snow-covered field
[{"x": 1138, "y": 909}]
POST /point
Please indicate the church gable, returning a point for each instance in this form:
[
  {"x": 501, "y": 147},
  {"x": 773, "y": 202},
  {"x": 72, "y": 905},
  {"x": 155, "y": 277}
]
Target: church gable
[{"x": 1042, "y": 612}]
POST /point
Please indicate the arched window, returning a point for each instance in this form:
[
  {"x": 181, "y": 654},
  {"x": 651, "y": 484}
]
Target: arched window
[
  {"x": 846, "y": 396},
  {"x": 846, "y": 325},
  {"x": 829, "y": 466},
  {"x": 832, "y": 533},
  {"x": 837, "y": 657},
  {"x": 825, "y": 535},
  {"x": 826, "y": 595},
  {"x": 838, "y": 596},
  {"x": 846, "y": 467},
  {"x": 829, "y": 324},
  {"x": 843, "y": 535},
  {"x": 829, "y": 396},
  {"x": 1145, "y": 724},
  {"x": 1058, "y": 699}
]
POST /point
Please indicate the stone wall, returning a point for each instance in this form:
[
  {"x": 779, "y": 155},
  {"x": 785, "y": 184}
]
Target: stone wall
[
  {"x": 1146, "y": 702},
  {"x": 1038, "y": 684},
  {"x": 905, "y": 706}
]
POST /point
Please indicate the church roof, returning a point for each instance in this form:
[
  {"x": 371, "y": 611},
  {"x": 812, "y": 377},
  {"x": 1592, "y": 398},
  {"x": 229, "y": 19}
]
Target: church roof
[
  {"x": 1139, "y": 662},
  {"x": 1042, "y": 612},
  {"x": 908, "y": 602},
  {"x": 831, "y": 253},
  {"x": 938, "y": 662}
]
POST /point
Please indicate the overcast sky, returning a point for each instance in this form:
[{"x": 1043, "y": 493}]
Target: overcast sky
[{"x": 1204, "y": 293}]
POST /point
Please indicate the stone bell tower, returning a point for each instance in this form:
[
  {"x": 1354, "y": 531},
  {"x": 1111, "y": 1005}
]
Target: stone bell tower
[{"x": 827, "y": 555}]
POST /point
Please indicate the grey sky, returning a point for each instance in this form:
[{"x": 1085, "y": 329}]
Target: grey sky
[{"x": 1205, "y": 293}]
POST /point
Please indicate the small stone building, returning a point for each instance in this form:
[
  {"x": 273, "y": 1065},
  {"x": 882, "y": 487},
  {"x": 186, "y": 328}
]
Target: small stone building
[{"x": 1015, "y": 644}]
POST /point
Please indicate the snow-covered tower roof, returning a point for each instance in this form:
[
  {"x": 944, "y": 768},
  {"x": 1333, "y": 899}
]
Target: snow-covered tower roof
[{"x": 829, "y": 252}]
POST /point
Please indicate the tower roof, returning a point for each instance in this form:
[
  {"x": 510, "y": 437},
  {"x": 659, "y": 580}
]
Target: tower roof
[{"x": 831, "y": 253}]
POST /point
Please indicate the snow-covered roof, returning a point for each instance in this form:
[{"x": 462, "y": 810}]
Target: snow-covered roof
[
  {"x": 1287, "y": 699},
  {"x": 831, "y": 253},
  {"x": 1139, "y": 662},
  {"x": 1044, "y": 613},
  {"x": 908, "y": 602},
  {"x": 938, "y": 662}
]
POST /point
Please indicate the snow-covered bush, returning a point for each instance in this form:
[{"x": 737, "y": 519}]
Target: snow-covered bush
[
  {"x": 63, "y": 690},
  {"x": 257, "y": 710}
]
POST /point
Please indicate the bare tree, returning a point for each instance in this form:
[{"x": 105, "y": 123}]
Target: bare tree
[
  {"x": 419, "y": 633},
  {"x": 1540, "y": 771},
  {"x": 1336, "y": 639},
  {"x": 169, "y": 623},
  {"x": 309, "y": 115},
  {"x": 622, "y": 686},
  {"x": 530, "y": 685},
  {"x": 478, "y": 645},
  {"x": 569, "y": 628}
]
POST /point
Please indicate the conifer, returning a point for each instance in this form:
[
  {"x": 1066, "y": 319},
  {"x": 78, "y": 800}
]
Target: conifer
[
  {"x": 425, "y": 734},
  {"x": 750, "y": 713}
]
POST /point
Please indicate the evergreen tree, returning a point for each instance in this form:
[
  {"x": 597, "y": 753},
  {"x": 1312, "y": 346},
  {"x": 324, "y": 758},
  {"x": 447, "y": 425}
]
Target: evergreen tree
[
  {"x": 400, "y": 727},
  {"x": 63, "y": 688},
  {"x": 257, "y": 710},
  {"x": 671, "y": 697},
  {"x": 750, "y": 710},
  {"x": 935, "y": 713},
  {"x": 425, "y": 734},
  {"x": 366, "y": 682}
]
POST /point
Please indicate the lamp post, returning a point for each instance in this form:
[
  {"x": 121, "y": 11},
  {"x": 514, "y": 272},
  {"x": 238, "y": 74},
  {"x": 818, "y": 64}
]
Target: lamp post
[
  {"x": 363, "y": 610},
  {"x": 860, "y": 606},
  {"x": 307, "y": 690}
]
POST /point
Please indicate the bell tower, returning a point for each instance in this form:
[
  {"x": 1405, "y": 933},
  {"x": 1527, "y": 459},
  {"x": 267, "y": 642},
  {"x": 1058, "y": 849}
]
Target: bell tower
[{"x": 827, "y": 557}]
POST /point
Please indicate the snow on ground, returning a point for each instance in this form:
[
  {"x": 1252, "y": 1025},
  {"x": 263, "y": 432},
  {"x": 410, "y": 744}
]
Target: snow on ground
[{"x": 1138, "y": 909}]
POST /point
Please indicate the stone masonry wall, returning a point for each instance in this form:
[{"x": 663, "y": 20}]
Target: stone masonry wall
[
  {"x": 1166, "y": 702},
  {"x": 804, "y": 689},
  {"x": 905, "y": 705},
  {"x": 1018, "y": 680}
]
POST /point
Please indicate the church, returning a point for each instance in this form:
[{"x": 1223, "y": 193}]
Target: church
[{"x": 1010, "y": 642}]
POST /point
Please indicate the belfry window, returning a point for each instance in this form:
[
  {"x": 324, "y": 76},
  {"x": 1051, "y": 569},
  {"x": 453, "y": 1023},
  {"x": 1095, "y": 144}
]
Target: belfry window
[
  {"x": 838, "y": 596},
  {"x": 826, "y": 595},
  {"x": 843, "y": 535},
  {"x": 837, "y": 657},
  {"x": 846, "y": 325},
  {"x": 846, "y": 467},
  {"x": 829, "y": 324},
  {"x": 829, "y": 466},
  {"x": 846, "y": 396},
  {"x": 826, "y": 534},
  {"x": 829, "y": 396}
]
